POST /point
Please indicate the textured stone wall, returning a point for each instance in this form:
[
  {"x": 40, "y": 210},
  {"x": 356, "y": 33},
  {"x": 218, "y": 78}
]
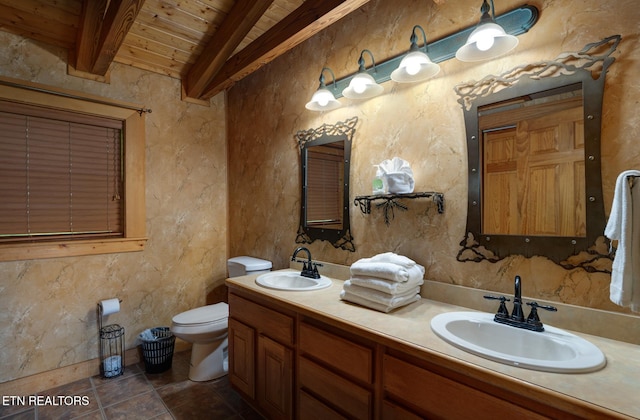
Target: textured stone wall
[
  {"x": 48, "y": 316},
  {"x": 422, "y": 123}
]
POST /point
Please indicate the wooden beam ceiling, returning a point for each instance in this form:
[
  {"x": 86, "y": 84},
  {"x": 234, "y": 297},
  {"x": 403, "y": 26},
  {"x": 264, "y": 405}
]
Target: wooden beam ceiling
[
  {"x": 209, "y": 44},
  {"x": 239, "y": 21},
  {"x": 307, "y": 20},
  {"x": 102, "y": 32}
]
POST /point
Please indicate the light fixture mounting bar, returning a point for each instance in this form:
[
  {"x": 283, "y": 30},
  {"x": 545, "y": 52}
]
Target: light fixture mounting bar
[{"x": 514, "y": 22}]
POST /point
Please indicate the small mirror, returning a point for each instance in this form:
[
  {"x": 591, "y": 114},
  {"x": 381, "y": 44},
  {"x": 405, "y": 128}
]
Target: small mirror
[
  {"x": 325, "y": 155},
  {"x": 533, "y": 144}
]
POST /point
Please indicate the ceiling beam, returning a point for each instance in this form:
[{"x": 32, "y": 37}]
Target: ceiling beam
[
  {"x": 301, "y": 24},
  {"x": 88, "y": 32},
  {"x": 235, "y": 27},
  {"x": 102, "y": 32}
]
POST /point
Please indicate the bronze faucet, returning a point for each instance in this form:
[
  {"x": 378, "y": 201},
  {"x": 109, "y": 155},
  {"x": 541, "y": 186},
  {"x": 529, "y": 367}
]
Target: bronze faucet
[
  {"x": 309, "y": 268},
  {"x": 517, "y": 319}
]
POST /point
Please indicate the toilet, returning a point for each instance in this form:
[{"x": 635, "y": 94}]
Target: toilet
[{"x": 206, "y": 327}]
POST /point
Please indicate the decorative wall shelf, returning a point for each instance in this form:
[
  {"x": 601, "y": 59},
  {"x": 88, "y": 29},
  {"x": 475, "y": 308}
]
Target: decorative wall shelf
[{"x": 390, "y": 201}]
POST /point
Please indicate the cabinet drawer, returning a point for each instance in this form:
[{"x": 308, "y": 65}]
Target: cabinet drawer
[
  {"x": 437, "y": 396},
  {"x": 266, "y": 321},
  {"x": 391, "y": 411},
  {"x": 312, "y": 409},
  {"x": 342, "y": 394},
  {"x": 339, "y": 353}
]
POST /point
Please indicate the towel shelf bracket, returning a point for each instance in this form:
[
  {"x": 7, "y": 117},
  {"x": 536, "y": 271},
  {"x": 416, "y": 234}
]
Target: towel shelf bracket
[{"x": 389, "y": 202}]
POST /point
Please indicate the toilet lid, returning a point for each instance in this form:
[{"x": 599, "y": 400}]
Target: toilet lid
[{"x": 203, "y": 314}]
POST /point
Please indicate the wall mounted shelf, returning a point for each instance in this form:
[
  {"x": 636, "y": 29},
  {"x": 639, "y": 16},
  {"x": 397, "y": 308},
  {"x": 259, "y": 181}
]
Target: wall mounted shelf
[{"x": 390, "y": 201}]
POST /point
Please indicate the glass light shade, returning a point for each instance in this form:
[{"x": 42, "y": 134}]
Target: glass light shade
[
  {"x": 362, "y": 86},
  {"x": 488, "y": 40},
  {"x": 323, "y": 100},
  {"x": 414, "y": 67}
]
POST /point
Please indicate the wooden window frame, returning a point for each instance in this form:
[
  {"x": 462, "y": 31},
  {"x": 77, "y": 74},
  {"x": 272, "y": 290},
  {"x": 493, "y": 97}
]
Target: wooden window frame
[{"x": 134, "y": 170}]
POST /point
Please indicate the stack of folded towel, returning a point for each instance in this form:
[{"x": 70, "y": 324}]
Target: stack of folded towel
[{"x": 384, "y": 282}]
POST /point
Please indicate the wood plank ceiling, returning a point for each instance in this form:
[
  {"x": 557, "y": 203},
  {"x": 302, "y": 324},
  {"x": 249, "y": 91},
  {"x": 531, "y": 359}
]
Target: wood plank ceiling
[{"x": 208, "y": 44}]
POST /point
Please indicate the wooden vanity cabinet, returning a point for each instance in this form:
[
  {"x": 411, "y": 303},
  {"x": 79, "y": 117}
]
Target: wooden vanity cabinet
[
  {"x": 261, "y": 356},
  {"x": 291, "y": 364}
]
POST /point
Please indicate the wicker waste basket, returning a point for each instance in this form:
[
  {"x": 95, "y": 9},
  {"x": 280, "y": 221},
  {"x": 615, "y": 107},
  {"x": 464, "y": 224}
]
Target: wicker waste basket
[{"x": 157, "y": 352}]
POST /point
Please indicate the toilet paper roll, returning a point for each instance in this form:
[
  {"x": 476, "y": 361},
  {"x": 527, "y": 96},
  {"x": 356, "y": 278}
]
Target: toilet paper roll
[
  {"x": 112, "y": 366},
  {"x": 110, "y": 306}
]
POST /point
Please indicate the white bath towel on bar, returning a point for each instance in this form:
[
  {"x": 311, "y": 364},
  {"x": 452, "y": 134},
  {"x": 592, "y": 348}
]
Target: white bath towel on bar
[
  {"x": 396, "y": 303},
  {"x": 624, "y": 226},
  {"x": 387, "y": 286},
  {"x": 385, "y": 270}
]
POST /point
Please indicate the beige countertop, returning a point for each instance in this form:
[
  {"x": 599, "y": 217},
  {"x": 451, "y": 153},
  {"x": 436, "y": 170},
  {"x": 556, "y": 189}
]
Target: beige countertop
[{"x": 616, "y": 387}]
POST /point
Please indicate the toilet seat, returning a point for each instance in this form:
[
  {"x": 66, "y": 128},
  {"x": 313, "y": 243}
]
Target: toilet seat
[
  {"x": 205, "y": 324},
  {"x": 204, "y": 315}
]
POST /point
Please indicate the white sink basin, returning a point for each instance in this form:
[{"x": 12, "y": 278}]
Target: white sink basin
[
  {"x": 291, "y": 280},
  {"x": 552, "y": 350}
]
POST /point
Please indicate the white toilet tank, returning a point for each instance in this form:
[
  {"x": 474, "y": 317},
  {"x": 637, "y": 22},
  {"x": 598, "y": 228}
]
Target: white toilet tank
[{"x": 240, "y": 266}]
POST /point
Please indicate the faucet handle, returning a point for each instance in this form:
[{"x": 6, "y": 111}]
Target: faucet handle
[
  {"x": 314, "y": 271},
  {"x": 502, "y": 309},
  {"x": 533, "y": 317},
  {"x": 535, "y": 305}
]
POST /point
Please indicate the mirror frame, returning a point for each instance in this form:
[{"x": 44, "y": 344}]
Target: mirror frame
[
  {"x": 327, "y": 133},
  {"x": 589, "y": 252}
]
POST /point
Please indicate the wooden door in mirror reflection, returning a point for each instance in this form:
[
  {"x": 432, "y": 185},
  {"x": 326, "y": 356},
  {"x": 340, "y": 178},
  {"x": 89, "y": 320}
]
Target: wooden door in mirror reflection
[{"x": 533, "y": 168}]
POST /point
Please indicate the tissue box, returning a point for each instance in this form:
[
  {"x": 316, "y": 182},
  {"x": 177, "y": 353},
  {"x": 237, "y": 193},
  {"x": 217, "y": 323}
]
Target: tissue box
[
  {"x": 399, "y": 182},
  {"x": 397, "y": 175}
]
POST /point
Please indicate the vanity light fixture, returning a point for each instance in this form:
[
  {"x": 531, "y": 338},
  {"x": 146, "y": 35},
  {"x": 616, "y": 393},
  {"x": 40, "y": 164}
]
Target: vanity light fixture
[
  {"x": 416, "y": 65},
  {"x": 363, "y": 85},
  {"x": 323, "y": 99},
  {"x": 513, "y": 22},
  {"x": 488, "y": 40}
]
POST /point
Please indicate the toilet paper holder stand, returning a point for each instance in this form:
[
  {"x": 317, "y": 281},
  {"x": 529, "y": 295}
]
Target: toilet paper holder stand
[{"x": 111, "y": 338}]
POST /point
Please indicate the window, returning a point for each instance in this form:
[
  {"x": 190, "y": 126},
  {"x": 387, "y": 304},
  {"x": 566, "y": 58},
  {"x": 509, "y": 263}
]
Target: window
[{"x": 71, "y": 175}]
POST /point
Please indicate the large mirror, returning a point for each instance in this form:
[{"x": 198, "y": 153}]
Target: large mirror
[
  {"x": 325, "y": 155},
  {"x": 533, "y": 144}
]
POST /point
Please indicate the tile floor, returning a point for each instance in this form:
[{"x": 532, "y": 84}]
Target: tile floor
[{"x": 139, "y": 395}]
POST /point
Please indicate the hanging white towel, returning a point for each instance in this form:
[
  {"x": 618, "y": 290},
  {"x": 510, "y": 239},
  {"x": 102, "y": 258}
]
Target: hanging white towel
[{"x": 624, "y": 226}]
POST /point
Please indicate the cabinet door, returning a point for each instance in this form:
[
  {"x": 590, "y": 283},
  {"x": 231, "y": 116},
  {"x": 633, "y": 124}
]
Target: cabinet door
[
  {"x": 275, "y": 378},
  {"x": 242, "y": 357}
]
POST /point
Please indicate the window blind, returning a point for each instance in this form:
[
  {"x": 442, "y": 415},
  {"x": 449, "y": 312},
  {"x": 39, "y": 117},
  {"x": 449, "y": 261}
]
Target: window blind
[
  {"x": 60, "y": 174},
  {"x": 323, "y": 188}
]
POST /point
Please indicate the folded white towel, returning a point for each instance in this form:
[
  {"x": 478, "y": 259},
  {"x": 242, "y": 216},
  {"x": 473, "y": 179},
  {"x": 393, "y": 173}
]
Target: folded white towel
[
  {"x": 394, "y": 304},
  {"x": 387, "y": 286},
  {"x": 392, "y": 257},
  {"x": 624, "y": 226},
  {"x": 385, "y": 270},
  {"x": 376, "y": 295}
]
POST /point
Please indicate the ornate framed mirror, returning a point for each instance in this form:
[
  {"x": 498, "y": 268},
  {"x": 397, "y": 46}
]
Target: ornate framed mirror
[
  {"x": 533, "y": 144},
  {"x": 325, "y": 156}
]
